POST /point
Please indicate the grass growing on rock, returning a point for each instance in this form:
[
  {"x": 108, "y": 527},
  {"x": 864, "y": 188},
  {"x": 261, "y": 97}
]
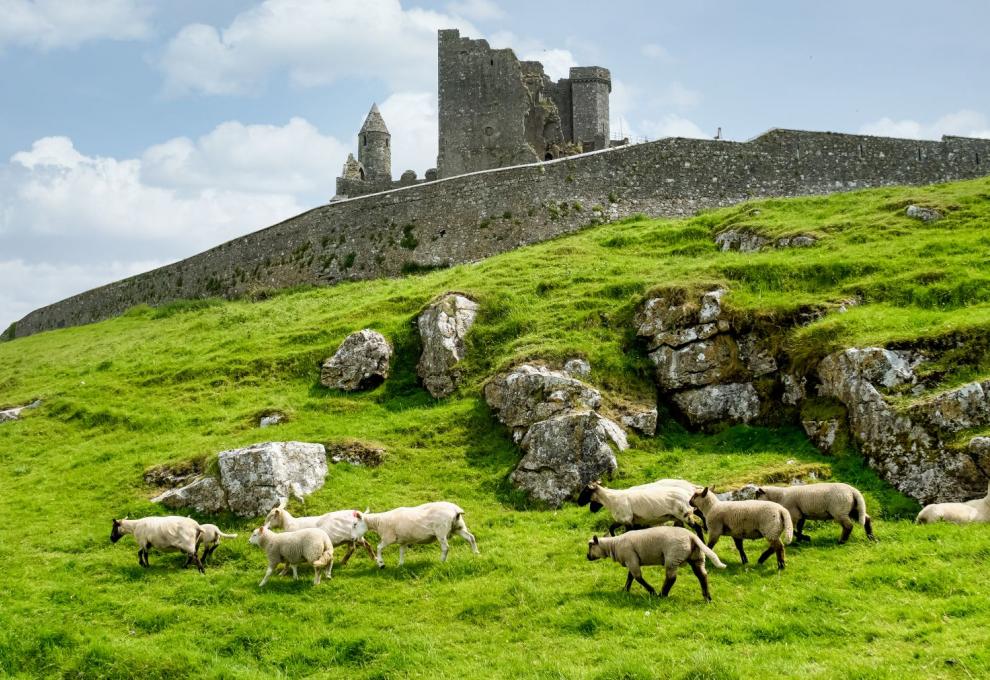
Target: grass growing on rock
[{"x": 187, "y": 380}]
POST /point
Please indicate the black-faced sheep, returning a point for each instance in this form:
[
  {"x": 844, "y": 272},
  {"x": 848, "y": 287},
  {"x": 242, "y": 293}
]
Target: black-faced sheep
[
  {"x": 645, "y": 505},
  {"x": 167, "y": 534},
  {"x": 746, "y": 519},
  {"x": 669, "y": 546},
  {"x": 840, "y": 502}
]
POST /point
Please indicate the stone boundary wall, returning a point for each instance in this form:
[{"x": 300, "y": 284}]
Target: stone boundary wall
[{"x": 465, "y": 218}]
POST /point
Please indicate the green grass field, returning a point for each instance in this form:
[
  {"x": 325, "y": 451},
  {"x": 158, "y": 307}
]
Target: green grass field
[{"x": 190, "y": 379}]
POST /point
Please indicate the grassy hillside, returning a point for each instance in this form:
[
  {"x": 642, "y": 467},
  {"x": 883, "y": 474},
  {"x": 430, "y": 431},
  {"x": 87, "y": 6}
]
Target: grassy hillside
[{"x": 190, "y": 379}]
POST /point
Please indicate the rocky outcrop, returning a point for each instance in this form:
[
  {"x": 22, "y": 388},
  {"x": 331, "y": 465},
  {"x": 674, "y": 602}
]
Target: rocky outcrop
[
  {"x": 442, "y": 329},
  {"x": 271, "y": 419},
  {"x": 826, "y": 434},
  {"x": 642, "y": 420},
  {"x": 910, "y": 448},
  {"x": 10, "y": 414},
  {"x": 924, "y": 214},
  {"x": 553, "y": 417},
  {"x": 356, "y": 453},
  {"x": 253, "y": 479},
  {"x": 566, "y": 452},
  {"x": 577, "y": 368},
  {"x": 528, "y": 394},
  {"x": 360, "y": 363},
  {"x": 732, "y": 403},
  {"x": 751, "y": 242}
]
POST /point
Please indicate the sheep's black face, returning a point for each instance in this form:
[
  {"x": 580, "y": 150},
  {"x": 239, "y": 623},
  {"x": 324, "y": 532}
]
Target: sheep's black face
[
  {"x": 760, "y": 493},
  {"x": 585, "y": 496},
  {"x": 595, "y": 551},
  {"x": 115, "y": 533}
]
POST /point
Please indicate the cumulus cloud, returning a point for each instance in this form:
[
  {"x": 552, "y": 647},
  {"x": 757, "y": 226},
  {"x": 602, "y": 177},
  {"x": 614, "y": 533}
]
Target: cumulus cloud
[
  {"x": 556, "y": 61},
  {"x": 53, "y": 24},
  {"x": 315, "y": 43},
  {"x": 671, "y": 125},
  {"x": 71, "y": 221},
  {"x": 965, "y": 123},
  {"x": 412, "y": 119},
  {"x": 477, "y": 10}
]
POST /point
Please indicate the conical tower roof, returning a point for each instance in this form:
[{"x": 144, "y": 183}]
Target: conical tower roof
[{"x": 374, "y": 122}]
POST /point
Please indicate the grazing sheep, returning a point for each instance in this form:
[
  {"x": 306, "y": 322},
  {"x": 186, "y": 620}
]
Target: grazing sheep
[
  {"x": 167, "y": 534},
  {"x": 642, "y": 506},
  {"x": 210, "y": 539},
  {"x": 305, "y": 546},
  {"x": 841, "y": 502},
  {"x": 746, "y": 519},
  {"x": 976, "y": 510},
  {"x": 422, "y": 524},
  {"x": 342, "y": 526},
  {"x": 669, "y": 546}
]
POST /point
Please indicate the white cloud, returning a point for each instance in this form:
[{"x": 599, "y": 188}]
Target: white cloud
[
  {"x": 314, "y": 42},
  {"x": 411, "y": 117},
  {"x": 477, "y": 10},
  {"x": 52, "y": 24},
  {"x": 965, "y": 123},
  {"x": 26, "y": 286},
  {"x": 671, "y": 125},
  {"x": 556, "y": 61},
  {"x": 676, "y": 96},
  {"x": 291, "y": 159}
]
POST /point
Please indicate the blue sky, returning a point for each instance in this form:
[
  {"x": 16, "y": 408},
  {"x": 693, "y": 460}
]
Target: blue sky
[{"x": 134, "y": 133}]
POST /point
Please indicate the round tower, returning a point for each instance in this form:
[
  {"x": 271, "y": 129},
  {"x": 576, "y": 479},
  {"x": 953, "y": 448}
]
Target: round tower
[
  {"x": 374, "y": 147},
  {"x": 590, "y": 88}
]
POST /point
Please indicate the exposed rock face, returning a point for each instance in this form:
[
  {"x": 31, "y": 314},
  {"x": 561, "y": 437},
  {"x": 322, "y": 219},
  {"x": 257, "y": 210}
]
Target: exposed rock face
[
  {"x": 360, "y": 363},
  {"x": 699, "y": 363},
  {"x": 908, "y": 448},
  {"x": 442, "y": 328},
  {"x": 751, "y": 242},
  {"x": 271, "y": 419},
  {"x": 824, "y": 434},
  {"x": 734, "y": 403},
  {"x": 923, "y": 214},
  {"x": 10, "y": 414},
  {"x": 356, "y": 453},
  {"x": 577, "y": 368},
  {"x": 528, "y": 394},
  {"x": 254, "y": 479},
  {"x": 643, "y": 421},
  {"x": 566, "y": 452}
]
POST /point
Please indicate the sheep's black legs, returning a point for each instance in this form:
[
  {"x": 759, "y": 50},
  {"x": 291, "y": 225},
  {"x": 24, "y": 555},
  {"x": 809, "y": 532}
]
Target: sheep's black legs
[
  {"x": 780, "y": 556},
  {"x": 868, "y": 525},
  {"x": 629, "y": 580},
  {"x": 199, "y": 565},
  {"x": 700, "y": 515},
  {"x": 646, "y": 585},
  {"x": 766, "y": 553},
  {"x": 739, "y": 547},
  {"x": 697, "y": 530},
  {"x": 207, "y": 553},
  {"x": 141, "y": 558},
  {"x": 350, "y": 551},
  {"x": 613, "y": 527},
  {"x": 702, "y": 575},
  {"x": 847, "y": 527},
  {"x": 799, "y": 531},
  {"x": 668, "y": 583}
]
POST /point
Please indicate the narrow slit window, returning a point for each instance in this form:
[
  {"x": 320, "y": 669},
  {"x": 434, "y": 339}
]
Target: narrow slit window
[
  {"x": 977, "y": 157},
  {"x": 919, "y": 153},
  {"x": 860, "y": 150}
]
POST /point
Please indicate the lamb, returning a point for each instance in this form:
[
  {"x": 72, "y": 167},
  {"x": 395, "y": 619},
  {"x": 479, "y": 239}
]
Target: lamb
[
  {"x": 644, "y": 505},
  {"x": 841, "y": 502},
  {"x": 167, "y": 534},
  {"x": 309, "y": 546},
  {"x": 210, "y": 539},
  {"x": 746, "y": 519},
  {"x": 669, "y": 546},
  {"x": 342, "y": 526},
  {"x": 976, "y": 510},
  {"x": 422, "y": 524}
]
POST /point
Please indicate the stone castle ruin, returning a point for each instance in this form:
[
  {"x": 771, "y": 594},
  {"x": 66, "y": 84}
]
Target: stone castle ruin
[
  {"x": 521, "y": 159},
  {"x": 495, "y": 111}
]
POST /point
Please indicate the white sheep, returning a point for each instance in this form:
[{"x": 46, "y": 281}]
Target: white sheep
[
  {"x": 422, "y": 524},
  {"x": 669, "y": 546},
  {"x": 833, "y": 500},
  {"x": 210, "y": 539},
  {"x": 746, "y": 519},
  {"x": 305, "y": 546},
  {"x": 167, "y": 534},
  {"x": 342, "y": 526},
  {"x": 976, "y": 510},
  {"x": 644, "y": 505}
]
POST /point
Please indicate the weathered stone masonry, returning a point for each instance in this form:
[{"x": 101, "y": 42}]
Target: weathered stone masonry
[{"x": 473, "y": 216}]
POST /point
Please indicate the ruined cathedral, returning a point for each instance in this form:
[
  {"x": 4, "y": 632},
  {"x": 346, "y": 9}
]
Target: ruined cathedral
[{"x": 495, "y": 111}]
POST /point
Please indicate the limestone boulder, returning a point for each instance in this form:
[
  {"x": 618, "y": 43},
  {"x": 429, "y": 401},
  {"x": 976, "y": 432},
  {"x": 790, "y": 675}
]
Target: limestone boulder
[
  {"x": 706, "y": 362},
  {"x": 271, "y": 420},
  {"x": 668, "y": 319},
  {"x": 529, "y": 393},
  {"x": 253, "y": 479},
  {"x": 963, "y": 408},
  {"x": 11, "y": 414},
  {"x": 642, "y": 420},
  {"x": 825, "y": 434},
  {"x": 719, "y": 404},
  {"x": 924, "y": 214},
  {"x": 743, "y": 241},
  {"x": 577, "y": 368},
  {"x": 205, "y": 494},
  {"x": 566, "y": 452},
  {"x": 442, "y": 329},
  {"x": 360, "y": 363}
]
